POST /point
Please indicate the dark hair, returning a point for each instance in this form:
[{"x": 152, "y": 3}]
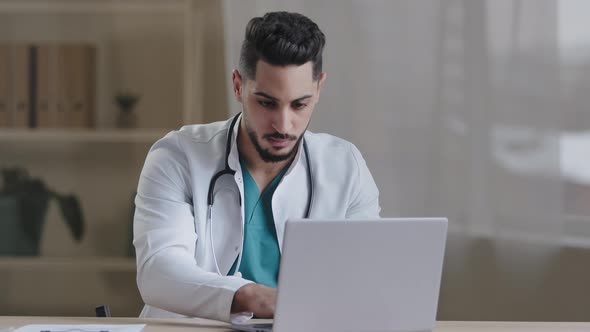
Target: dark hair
[{"x": 280, "y": 39}]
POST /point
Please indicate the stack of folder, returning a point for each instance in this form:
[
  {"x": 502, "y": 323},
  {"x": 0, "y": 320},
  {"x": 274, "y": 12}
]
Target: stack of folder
[{"x": 47, "y": 85}]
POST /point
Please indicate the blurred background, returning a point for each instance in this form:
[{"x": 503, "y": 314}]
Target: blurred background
[{"x": 471, "y": 109}]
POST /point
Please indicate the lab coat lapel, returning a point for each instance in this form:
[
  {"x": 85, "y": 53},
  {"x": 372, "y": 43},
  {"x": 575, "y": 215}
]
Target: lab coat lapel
[
  {"x": 225, "y": 216},
  {"x": 291, "y": 196}
]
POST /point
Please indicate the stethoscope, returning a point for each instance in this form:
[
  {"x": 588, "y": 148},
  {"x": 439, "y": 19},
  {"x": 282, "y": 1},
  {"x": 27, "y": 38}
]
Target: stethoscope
[{"x": 228, "y": 171}]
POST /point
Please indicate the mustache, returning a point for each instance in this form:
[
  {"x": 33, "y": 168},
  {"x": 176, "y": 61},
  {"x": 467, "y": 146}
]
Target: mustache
[{"x": 280, "y": 136}]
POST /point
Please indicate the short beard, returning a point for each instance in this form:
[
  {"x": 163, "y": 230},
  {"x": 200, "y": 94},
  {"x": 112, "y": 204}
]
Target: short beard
[{"x": 268, "y": 156}]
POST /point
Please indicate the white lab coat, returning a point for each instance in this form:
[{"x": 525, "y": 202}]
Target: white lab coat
[{"x": 176, "y": 272}]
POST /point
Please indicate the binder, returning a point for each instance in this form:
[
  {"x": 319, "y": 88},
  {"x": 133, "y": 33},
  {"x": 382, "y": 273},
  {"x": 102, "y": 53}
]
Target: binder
[
  {"x": 20, "y": 82},
  {"x": 46, "y": 99},
  {"x": 76, "y": 81},
  {"x": 5, "y": 94},
  {"x": 32, "y": 84}
]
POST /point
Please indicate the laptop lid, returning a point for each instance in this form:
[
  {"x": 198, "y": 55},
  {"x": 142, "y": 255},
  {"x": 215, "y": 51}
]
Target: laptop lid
[{"x": 360, "y": 275}]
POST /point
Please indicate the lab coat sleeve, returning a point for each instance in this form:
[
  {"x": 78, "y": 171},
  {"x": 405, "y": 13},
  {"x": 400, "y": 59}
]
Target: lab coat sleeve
[
  {"x": 365, "y": 196},
  {"x": 165, "y": 238}
]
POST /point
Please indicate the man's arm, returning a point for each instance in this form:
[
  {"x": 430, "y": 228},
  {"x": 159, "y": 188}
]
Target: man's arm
[
  {"x": 365, "y": 201},
  {"x": 165, "y": 238}
]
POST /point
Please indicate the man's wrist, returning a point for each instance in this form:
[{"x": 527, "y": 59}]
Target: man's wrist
[{"x": 242, "y": 298}]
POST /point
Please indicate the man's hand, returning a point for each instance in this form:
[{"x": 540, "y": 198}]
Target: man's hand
[{"x": 255, "y": 298}]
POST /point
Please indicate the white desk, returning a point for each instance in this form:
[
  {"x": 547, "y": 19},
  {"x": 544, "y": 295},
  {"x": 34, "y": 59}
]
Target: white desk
[{"x": 203, "y": 325}]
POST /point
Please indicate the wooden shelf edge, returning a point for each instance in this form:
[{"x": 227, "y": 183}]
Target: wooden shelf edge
[
  {"x": 126, "y": 264},
  {"x": 91, "y": 6},
  {"x": 83, "y": 135}
]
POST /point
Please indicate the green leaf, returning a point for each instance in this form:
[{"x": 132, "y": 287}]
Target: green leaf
[{"x": 72, "y": 213}]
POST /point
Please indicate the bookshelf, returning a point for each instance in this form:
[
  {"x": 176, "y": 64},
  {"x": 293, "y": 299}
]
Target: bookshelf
[
  {"x": 147, "y": 47},
  {"x": 171, "y": 54}
]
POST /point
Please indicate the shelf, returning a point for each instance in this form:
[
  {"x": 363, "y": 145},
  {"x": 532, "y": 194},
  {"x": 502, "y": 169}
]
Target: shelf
[
  {"x": 124, "y": 264},
  {"x": 92, "y": 6},
  {"x": 82, "y": 135}
]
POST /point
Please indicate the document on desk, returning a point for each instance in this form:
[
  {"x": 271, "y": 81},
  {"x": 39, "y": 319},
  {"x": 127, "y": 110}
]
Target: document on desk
[{"x": 81, "y": 328}]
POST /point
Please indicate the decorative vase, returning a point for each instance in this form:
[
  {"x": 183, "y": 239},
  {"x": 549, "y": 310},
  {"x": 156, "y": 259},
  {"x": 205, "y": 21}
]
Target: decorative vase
[
  {"x": 14, "y": 240},
  {"x": 127, "y": 120},
  {"x": 127, "y": 117}
]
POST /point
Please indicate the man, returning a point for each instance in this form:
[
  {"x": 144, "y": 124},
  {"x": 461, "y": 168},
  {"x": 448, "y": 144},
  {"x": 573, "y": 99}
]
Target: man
[{"x": 213, "y": 199}]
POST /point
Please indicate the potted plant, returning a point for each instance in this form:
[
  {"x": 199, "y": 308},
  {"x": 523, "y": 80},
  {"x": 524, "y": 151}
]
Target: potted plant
[{"x": 23, "y": 206}]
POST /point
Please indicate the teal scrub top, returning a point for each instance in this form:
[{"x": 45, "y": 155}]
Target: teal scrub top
[{"x": 260, "y": 255}]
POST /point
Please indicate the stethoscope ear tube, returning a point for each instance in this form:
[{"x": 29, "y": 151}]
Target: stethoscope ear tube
[{"x": 309, "y": 180}]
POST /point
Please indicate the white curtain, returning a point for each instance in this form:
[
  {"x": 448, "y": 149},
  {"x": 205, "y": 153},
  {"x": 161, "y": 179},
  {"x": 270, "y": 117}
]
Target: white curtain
[{"x": 476, "y": 110}]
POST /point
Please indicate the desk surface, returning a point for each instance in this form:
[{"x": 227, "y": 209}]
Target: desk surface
[{"x": 202, "y": 325}]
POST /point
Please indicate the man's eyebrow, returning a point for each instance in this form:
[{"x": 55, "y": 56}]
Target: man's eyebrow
[
  {"x": 301, "y": 98},
  {"x": 266, "y": 95}
]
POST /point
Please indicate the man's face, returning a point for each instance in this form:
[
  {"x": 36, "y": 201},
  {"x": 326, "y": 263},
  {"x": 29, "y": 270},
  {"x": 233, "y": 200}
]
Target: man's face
[{"x": 277, "y": 107}]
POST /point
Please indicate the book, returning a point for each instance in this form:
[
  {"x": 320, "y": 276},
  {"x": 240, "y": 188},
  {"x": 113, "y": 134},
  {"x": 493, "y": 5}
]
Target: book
[
  {"x": 20, "y": 84},
  {"x": 46, "y": 90},
  {"x": 76, "y": 71},
  {"x": 5, "y": 113}
]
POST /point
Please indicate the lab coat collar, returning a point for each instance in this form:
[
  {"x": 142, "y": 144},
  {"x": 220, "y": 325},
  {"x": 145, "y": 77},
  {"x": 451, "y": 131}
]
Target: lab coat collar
[{"x": 234, "y": 155}]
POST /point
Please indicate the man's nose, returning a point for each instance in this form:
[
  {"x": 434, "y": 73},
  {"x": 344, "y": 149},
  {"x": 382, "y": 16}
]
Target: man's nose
[{"x": 282, "y": 121}]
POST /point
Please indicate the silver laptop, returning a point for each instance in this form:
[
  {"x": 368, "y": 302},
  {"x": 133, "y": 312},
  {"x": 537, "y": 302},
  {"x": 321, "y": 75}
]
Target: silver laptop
[{"x": 359, "y": 275}]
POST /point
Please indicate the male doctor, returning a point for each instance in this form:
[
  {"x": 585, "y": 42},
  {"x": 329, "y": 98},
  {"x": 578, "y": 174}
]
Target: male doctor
[{"x": 213, "y": 199}]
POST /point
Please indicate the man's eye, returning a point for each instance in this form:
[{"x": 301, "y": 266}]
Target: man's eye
[
  {"x": 266, "y": 104},
  {"x": 299, "y": 106}
]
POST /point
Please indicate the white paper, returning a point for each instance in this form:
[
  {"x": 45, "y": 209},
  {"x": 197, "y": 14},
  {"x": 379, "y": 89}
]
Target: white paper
[
  {"x": 240, "y": 318},
  {"x": 81, "y": 328}
]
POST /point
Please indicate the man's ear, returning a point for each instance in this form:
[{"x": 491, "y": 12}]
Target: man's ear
[
  {"x": 237, "y": 84},
  {"x": 321, "y": 81}
]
